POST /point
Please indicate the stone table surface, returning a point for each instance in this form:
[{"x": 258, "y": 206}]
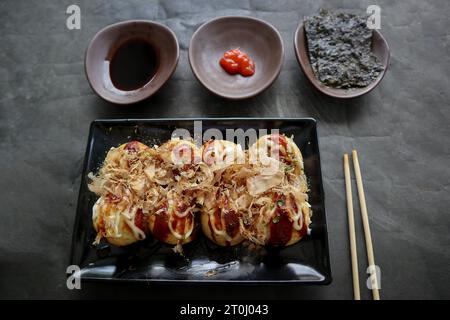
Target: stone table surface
[{"x": 401, "y": 130}]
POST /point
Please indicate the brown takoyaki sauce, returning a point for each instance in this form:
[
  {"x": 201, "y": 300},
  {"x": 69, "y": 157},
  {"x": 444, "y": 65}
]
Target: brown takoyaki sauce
[
  {"x": 231, "y": 223},
  {"x": 281, "y": 230},
  {"x": 281, "y": 227},
  {"x": 161, "y": 229},
  {"x": 179, "y": 224},
  {"x": 140, "y": 220}
]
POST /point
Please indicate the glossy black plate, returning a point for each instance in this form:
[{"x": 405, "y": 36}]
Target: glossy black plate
[{"x": 150, "y": 261}]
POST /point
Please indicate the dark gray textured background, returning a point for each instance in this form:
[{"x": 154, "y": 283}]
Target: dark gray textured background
[{"x": 401, "y": 130}]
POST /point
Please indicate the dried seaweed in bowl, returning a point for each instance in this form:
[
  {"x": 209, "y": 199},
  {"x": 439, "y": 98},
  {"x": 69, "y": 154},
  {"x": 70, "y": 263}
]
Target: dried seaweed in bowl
[{"x": 339, "y": 47}]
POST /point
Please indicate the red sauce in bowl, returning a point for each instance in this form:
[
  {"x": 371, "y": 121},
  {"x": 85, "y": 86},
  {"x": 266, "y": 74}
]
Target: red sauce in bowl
[{"x": 235, "y": 61}]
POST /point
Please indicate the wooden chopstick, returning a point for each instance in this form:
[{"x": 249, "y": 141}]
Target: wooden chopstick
[
  {"x": 367, "y": 234},
  {"x": 351, "y": 229}
]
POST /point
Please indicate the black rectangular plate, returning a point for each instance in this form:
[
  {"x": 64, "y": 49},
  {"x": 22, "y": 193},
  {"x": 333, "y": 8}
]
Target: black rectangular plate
[{"x": 204, "y": 262}]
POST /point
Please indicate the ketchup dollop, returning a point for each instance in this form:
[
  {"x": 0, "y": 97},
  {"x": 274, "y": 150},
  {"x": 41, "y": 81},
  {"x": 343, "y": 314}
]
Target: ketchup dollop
[{"x": 235, "y": 61}]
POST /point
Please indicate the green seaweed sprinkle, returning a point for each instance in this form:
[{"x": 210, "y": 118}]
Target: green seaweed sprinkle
[{"x": 276, "y": 219}]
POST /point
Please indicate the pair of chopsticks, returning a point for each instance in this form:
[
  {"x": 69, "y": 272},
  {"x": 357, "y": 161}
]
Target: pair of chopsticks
[{"x": 351, "y": 224}]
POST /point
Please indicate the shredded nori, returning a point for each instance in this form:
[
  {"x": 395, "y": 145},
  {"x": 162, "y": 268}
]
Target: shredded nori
[{"x": 339, "y": 47}]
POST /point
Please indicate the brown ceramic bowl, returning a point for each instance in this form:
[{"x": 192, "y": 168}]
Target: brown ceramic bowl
[
  {"x": 380, "y": 49},
  {"x": 106, "y": 42},
  {"x": 261, "y": 41}
]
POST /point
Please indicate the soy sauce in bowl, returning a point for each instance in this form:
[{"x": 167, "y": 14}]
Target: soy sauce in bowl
[
  {"x": 129, "y": 61},
  {"x": 133, "y": 64}
]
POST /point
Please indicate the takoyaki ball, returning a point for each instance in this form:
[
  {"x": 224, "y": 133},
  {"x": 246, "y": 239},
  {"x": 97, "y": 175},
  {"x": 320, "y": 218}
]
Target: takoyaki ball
[
  {"x": 281, "y": 148},
  {"x": 182, "y": 165},
  {"x": 174, "y": 221},
  {"x": 220, "y": 154},
  {"x": 179, "y": 152},
  {"x": 278, "y": 220},
  {"x": 220, "y": 222},
  {"x": 116, "y": 223},
  {"x": 122, "y": 156}
]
